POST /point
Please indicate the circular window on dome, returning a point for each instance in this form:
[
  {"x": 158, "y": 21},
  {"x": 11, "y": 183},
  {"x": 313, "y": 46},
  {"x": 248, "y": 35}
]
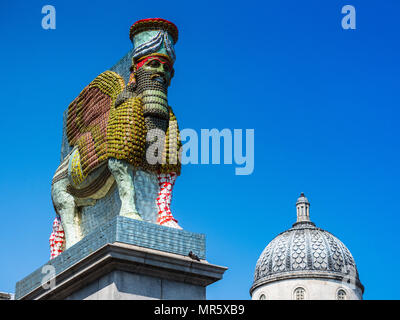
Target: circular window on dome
[
  {"x": 299, "y": 294},
  {"x": 341, "y": 295},
  {"x": 262, "y": 297}
]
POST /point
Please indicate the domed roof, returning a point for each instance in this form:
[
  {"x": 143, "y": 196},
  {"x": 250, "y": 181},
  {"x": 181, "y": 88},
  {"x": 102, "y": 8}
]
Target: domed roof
[{"x": 305, "y": 251}]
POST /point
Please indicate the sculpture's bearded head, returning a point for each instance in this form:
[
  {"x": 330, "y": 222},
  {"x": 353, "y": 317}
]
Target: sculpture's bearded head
[
  {"x": 158, "y": 67},
  {"x": 152, "y": 76},
  {"x": 153, "y": 58},
  {"x": 153, "y": 72},
  {"x": 153, "y": 53}
]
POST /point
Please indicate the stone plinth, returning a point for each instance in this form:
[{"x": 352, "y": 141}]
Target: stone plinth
[
  {"x": 6, "y": 296},
  {"x": 127, "y": 259}
]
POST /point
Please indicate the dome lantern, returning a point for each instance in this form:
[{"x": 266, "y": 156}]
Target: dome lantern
[{"x": 303, "y": 209}]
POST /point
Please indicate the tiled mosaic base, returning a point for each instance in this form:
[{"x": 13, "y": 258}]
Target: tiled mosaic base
[
  {"x": 120, "y": 229},
  {"x": 107, "y": 208}
]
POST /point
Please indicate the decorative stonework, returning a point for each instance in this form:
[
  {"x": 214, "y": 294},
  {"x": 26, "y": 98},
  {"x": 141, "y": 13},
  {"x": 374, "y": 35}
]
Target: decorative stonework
[
  {"x": 304, "y": 251},
  {"x": 310, "y": 249}
]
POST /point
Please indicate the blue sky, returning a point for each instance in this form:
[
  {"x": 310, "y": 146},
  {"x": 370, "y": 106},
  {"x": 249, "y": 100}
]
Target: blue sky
[{"x": 323, "y": 101}]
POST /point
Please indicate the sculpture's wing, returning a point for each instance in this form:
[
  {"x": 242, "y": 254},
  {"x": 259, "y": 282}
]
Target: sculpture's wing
[{"x": 88, "y": 118}]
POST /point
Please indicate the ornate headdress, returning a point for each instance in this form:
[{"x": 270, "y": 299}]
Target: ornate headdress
[{"x": 154, "y": 36}]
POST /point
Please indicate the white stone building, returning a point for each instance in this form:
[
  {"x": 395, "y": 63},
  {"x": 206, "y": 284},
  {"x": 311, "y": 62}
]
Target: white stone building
[{"x": 306, "y": 263}]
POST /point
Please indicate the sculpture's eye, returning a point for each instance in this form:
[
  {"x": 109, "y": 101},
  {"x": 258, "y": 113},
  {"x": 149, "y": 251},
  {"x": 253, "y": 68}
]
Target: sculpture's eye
[
  {"x": 166, "y": 67},
  {"x": 154, "y": 63}
]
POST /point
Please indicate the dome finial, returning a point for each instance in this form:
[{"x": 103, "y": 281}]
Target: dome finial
[{"x": 303, "y": 208}]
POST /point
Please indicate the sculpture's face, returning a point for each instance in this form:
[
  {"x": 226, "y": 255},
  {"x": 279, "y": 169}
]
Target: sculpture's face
[{"x": 159, "y": 67}]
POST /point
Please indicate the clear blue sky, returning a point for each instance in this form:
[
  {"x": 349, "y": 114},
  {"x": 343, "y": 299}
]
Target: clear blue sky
[{"x": 324, "y": 103}]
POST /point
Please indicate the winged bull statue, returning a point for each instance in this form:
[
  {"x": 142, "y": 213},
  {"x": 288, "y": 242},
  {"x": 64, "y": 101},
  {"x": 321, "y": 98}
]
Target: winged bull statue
[{"x": 115, "y": 128}]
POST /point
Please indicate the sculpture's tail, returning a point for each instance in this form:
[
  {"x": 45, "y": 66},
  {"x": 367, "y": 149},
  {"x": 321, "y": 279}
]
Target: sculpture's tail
[{"x": 57, "y": 238}]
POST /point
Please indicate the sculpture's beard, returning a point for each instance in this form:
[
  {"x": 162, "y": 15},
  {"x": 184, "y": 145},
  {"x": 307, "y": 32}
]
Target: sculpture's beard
[{"x": 153, "y": 89}]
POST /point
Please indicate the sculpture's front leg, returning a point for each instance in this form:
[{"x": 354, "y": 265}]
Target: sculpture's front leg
[
  {"x": 166, "y": 183},
  {"x": 124, "y": 174}
]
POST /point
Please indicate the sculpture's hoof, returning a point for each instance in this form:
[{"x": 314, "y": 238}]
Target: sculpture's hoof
[
  {"x": 172, "y": 224},
  {"x": 132, "y": 215}
]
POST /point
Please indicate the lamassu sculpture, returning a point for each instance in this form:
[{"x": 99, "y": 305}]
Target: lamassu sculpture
[{"x": 116, "y": 128}]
